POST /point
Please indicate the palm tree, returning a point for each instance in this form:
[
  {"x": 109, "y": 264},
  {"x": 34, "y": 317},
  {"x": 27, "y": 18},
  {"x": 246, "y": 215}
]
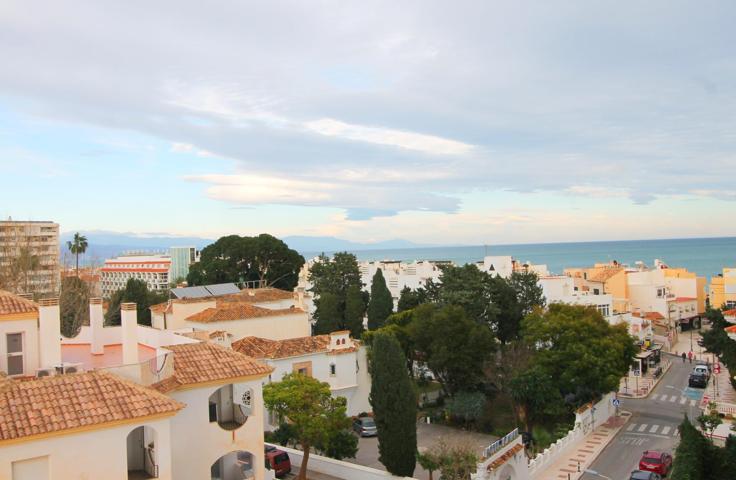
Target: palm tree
[{"x": 76, "y": 246}]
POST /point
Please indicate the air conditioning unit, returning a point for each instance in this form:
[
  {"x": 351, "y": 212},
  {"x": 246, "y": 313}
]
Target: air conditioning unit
[
  {"x": 66, "y": 368},
  {"x": 45, "y": 372}
]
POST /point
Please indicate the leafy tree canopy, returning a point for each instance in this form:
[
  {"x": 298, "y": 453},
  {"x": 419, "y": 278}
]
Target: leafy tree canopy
[
  {"x": 307, "y": 404},
  {"x": 528, "y": 291},
  {"x": 238, "y": 259},
  {"x": 73, "y": 305},
  {"x": 381, "y": 303},
  {"x": 135, "y": 291},
  {"x": 409, "y": 299},
  {"x": 355, "y": 307}
]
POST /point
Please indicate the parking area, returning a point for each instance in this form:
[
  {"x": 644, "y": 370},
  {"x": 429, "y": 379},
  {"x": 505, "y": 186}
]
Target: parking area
[{"x": 427, "y": 435}]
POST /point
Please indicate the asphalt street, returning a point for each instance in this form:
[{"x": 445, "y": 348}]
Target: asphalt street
[{"x": 653, "y": 425}]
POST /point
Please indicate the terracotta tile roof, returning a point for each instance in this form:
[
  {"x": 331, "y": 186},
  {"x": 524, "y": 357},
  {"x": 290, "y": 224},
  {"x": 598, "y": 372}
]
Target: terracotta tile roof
[
  {"x": 730, "y": 313},
  {"x": 649, "y": 315},
  {"x": 238, "y": 311},
  {"x": 507, "y": 455},
  {"x": 731, "y": 329},
  {"x": 258, "y": 295},
  {"x": 605, "y": 274},
  {"x": 257, "y": 347},
  {"x": 64, "y": 402},
  {"x": 196, "y": 363},
  {"x": 12, "y": 304},
  {"x": 164, "y": 307}
]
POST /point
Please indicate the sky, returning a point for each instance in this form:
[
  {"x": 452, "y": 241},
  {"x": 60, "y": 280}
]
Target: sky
[{"x": 437, "y": 122}]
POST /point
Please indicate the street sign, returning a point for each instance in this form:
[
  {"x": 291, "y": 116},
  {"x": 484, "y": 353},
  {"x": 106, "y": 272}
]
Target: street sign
[{"x": 616, "y": 402}]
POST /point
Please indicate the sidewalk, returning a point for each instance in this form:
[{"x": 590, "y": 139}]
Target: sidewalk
[
  {"x": 641, "y": 387},
  {"x": 572, "y": 465}
]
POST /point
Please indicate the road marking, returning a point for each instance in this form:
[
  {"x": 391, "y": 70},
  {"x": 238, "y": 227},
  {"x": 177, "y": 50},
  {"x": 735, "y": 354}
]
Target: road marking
[
  {"x": 683, "y": 400},
  {"x": 666, "y": 430},
  {"x": 643, "y": 427},
  {"x": 655, "y": 396},
  {"x": 673, "y": 398},
  {"x": 654, "y": 429},
  {"x": 630, "y": 427}
]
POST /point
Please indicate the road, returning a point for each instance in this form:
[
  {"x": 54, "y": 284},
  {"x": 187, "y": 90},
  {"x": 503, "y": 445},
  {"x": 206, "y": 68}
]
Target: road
[{"x": 653, "y": 425}]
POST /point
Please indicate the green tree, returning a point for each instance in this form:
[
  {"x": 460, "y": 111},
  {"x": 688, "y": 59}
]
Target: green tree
[
  {"x": 381, "y": 303},
  {"x": 535, "y": 395},
  {"x": 528, "y": 291},
  {"x": 334, "y": 277},
  {"x": 710, "y": 421},
  {"x": 688, "y": 462},
  {"x": 78, "y": 245},
  {"x": 429, "y": 461},
  {"x": 73, "y": 305},
  {"x": 330, "y": 318},
  {"x": 307, "y": 404},
  {"x": 466, "y": 406},
  {"x": 454, "y": 347},
  {"x": 466, "y": 287},
  {"x": 135, "y": 291},
  {"x": 409, "y": 299},
  {"x": 394, "y": 406},
  {"x": 232, "y": 258},
  {"x": 506, "y": 314},
  {"x": 456, "y": 461},
  {"x": 354, "y": 311},
  {"x": 339, "y": 445}
]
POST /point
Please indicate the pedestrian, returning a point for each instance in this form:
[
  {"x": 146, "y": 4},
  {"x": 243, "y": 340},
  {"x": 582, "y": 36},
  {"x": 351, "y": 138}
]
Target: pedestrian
[
  {"x": 690, "y": 356},
  {"x": 683, "y": 357}
]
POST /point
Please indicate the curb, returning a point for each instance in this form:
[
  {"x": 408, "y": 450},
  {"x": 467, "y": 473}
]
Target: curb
[
  {"x": 654, "y": 384},
  {"x": 592, "y": 459}
]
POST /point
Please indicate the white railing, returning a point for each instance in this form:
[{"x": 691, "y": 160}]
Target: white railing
[{"x": 491, "y": 449}]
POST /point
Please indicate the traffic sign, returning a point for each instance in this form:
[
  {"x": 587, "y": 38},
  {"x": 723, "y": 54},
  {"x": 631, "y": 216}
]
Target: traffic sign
[{"x": 616, "y": 402}]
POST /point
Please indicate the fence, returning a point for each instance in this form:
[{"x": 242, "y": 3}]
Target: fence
[{"x": 491, "y": 449}]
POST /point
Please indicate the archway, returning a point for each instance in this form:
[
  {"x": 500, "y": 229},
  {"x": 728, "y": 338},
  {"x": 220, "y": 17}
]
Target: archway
[
  {"x": 230, "y": 406},
  {"x": 142, "y": 454},
  {"x": 236, "y": 465}
]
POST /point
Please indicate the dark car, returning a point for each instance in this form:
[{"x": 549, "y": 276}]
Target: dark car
[
  {"x": 365, "y": 427},
  {"x": 655, "y": 461},
  {"x": 277, "y": 460},
  {"x": 644, "y": 475},
  {"x": 697, "y": 380}
]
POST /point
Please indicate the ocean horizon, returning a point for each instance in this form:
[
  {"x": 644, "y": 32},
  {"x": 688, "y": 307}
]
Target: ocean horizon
[{"x": 704, "y": 256}]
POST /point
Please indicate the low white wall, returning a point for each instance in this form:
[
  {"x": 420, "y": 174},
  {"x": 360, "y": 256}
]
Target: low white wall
[{"x": 338, "y": 468}]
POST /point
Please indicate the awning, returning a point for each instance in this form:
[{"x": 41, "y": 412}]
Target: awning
[{"x": 644, "y": 355}]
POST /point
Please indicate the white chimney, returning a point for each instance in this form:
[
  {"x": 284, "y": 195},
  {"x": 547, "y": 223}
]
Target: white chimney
[
  {"x": 49, "y": 319},
  {"x": 95, "y": 324},
  {"x": 129, "y": 321}
]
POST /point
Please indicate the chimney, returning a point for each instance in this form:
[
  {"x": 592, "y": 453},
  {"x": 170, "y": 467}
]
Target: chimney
[
  {"x": 95, "y": 324},
  {"x": 129, "y": 320},
  {"x": 49, "y": 319}
]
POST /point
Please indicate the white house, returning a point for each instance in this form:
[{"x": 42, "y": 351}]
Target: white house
[
  {"x": 505, "y": 265},
  {"x": 124, "y": 402},
  {"x": 561, "y": 289},
  {"x": 335, "y": 359}
]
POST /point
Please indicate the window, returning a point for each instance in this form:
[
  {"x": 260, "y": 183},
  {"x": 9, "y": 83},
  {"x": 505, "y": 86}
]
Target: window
[
  {"x": 604, "y": 310},
  {"x": 660, "y": 292},
  {"x": 14, "y": 342},
  {"x": 596, "y": 291},
  {"x": 333, "y": 369}
]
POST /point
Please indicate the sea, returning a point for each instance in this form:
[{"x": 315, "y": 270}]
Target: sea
[{"x": 704, "y": 256}]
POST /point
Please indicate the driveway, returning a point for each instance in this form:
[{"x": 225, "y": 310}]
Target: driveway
[{"x": 427, "y": 435}]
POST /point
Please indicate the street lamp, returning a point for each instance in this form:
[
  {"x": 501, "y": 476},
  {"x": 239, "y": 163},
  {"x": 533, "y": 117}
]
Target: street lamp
[{"x": 593, "y": 472}]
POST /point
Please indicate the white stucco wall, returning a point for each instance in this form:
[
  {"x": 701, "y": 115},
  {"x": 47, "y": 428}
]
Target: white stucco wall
[
  {"x": 274, "y": 327},
  {"x": 96, "y": 454},
  {"x": 197, "y": 443},
  {"x": 29, "y": 329}
]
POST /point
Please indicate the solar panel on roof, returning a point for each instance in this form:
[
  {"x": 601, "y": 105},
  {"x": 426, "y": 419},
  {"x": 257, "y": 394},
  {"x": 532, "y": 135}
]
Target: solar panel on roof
[
  {"x": 222, "y": 289},
  {"x": 191, "y": 292}
]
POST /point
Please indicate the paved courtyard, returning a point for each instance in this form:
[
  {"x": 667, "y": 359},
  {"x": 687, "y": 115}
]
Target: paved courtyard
[{"x": 427, "y": 435}]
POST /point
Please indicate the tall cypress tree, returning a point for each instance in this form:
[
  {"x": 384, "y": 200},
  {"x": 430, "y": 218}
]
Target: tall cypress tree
[
  {"x": 354, "y": 311},
  {"x": 394, "y": 406},
  {"x": 328, "y": 315},
  {"x": 381, "y": 304}
]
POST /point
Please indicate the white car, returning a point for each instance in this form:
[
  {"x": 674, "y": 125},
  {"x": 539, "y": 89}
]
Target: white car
[{"x": 702, "y": 369}]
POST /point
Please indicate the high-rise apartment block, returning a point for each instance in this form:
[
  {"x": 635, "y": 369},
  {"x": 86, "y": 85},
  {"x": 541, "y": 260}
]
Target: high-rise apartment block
[
  {"x": 181, "y": 259},
  {"x": 29, "y": 257},
  {"x": 152, "y": 269}
]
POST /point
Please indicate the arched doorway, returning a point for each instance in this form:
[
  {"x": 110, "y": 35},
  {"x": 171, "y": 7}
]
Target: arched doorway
[
  {"x": 236, "y": 465},
  {"x": 230, "y": 406},
  {"x": 142, "y": 454}
]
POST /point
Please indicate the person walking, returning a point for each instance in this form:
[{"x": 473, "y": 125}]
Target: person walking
[
  {"x": 690, "y": 356},
  {"x": 683, "y": 357}
]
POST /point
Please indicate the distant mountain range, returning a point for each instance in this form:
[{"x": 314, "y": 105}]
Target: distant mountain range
[{"x": 105, "y": 244}]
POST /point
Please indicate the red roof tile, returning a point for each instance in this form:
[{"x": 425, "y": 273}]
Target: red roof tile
[
  {"x": 12, "y": 304},
  {"x": 238, "y": 311}
]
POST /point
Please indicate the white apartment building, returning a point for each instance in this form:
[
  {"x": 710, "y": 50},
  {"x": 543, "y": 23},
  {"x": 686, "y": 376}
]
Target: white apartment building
[
  {"x": 505, "y": 265},
  {"x": 675, "y": 294},
  {"x": 335, "y": 359},
  {"x": 153, "y": 404},
  {"x": 561, "y": 289},
  {"x": 152, "y": 269},
  {"x": 29, "y": 257},
  {"x": 399, "y": 275}
]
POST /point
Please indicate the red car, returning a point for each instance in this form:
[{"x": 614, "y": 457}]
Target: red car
[{"x": 657, "y": 462}]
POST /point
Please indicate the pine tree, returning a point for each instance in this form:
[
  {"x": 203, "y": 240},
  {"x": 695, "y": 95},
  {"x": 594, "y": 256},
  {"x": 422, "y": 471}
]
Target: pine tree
[
  {"x": 394, "y": 406},
  {"x": 354, "y": 311},
  {"x": 381, "y": 304},
  {"x": 688, "y": 463},
  {"x": 328, "y": 315}
]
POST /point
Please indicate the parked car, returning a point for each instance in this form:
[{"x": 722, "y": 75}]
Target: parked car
[
  {"x": 365, "y": 427},
  {"x": 702, "y": 369},
  {"x": 644, "y": 475},
  {"x": 701, "y": 342},
  {"x": 697, "y": 380},
  {"x": 656, "y": 461},
  {"x": 277, "y": 460}
]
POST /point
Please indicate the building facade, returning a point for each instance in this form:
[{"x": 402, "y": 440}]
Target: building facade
[
  {"x": 181, "y": 259},
  {"x": 152, "y": 269},
  {"x": 723, "y": 289},
  {"x": 29, "y": 257}
]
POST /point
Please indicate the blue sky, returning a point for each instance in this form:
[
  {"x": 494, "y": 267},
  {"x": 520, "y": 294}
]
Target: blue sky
[{"x": 480, "y": 122}]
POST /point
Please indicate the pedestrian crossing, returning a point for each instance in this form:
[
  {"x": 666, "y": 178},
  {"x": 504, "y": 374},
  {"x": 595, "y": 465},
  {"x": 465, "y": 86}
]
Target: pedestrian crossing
[
  {"x": 677, "y": 399},
  {"x": 651, "y": 429}
]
